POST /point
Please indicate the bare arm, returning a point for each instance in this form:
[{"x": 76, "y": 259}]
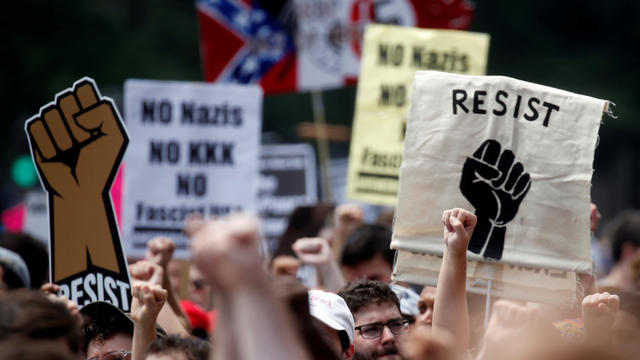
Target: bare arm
[
  {"x": 317, "y": 252},
  {"x": 160, "y": 251},
  {"x": 148, "y": 272},
  {"x": 147, "y": 301},
  {"x": 450, "y": 310},
  {"x": 226, "y": 253}
]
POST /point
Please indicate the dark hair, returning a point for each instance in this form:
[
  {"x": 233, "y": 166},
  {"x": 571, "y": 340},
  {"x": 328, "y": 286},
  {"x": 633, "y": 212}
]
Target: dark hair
[
  {"x": 192, "y": 347},
  {"x": 360, "y": 293},
  {"x": 32, "y": 251},
  {"x": 367, "y": 242},
  {"x": 25, "y": 349},
  {"x": 305, "y": 221},
  {"x": 103, "y": 324},
  {"x": 625, "y": 228},
  {"x": 29, "y": 314}
]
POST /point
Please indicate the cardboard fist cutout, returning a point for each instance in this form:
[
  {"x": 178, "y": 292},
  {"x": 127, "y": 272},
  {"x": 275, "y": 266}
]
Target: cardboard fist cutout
[{"x": 77, "y": 143}]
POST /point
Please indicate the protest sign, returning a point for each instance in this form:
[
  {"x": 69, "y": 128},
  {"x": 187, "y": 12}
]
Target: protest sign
[
  {"x": 287, "y": 180},
  {"x": 518, "y": 154},
  {"x": 391, "y": 56},
  {"x": 77, "y": 143},
  {"x": 36, "y": 220},
  {"x": 194, "y": 150}
]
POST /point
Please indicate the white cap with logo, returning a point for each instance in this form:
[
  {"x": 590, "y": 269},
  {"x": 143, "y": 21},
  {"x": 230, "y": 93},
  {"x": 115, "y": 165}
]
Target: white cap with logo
[{"x": 333, "y": 311}]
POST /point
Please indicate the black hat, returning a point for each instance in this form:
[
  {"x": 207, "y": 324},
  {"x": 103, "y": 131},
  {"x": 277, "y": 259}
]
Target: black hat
[{"x": 103, "y": 311}]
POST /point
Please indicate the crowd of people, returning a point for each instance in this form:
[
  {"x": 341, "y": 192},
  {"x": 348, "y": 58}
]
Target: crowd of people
[{"x": 327, "y": 292}]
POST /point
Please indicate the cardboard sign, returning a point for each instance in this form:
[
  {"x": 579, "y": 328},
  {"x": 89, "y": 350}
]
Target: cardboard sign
[
  {"x": 77, "y": 143},
  {"x": 194, "y": 150},
  {"x": 391, "y": 57},
  {"x": 518, "y": 154},
  {"x": 36, "y": 219},
  {"x": 287, "y": 180}
]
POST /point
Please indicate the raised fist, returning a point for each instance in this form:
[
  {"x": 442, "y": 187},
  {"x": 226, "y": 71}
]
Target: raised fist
[
  {"x": 77, "y": 143},
  {"x": 495, "y": 184},
  {"x": 314, "y": 251},
  {"x": 160, "y": 251}
]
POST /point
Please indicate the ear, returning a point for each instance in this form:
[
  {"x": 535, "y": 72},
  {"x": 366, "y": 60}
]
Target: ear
[{"x": 348, "y": 354}]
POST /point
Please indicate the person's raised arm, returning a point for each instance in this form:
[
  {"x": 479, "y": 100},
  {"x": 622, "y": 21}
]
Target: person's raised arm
[
  {"x": 160, "y": 251},
  {"x": 152, "y": 274},
  {"x": 599, "y": 313},
  {"x": 450, "y": 310},
  {"x": 347, "y": 218},
  {"x": 147, "y": 300},
  {"x": 317, "y": 252},
  {"x": 258, "y": 325}
]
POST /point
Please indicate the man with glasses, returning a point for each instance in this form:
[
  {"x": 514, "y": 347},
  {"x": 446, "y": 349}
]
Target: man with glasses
[{"x": 379, "y": 324}]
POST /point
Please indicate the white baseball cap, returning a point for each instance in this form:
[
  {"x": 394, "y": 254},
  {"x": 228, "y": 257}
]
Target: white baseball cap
[{"x": 332, "y": 311}]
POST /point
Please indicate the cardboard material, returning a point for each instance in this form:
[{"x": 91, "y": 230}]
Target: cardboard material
[
  {"x": 287, "y": 180},
  {"x": 194, "y": 150},
  {"x": 391, "y": 56},
  {"x": 77, "y": 143},
  {"x": 520, "y": 156}
]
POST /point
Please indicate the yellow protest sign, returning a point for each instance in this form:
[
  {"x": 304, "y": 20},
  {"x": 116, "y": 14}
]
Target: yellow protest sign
[{"x": 391, "y": 56}]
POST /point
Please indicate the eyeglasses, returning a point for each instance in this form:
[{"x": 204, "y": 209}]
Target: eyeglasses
[
  {"x": 372, "y": 331},
  {"x": 114, "y": 355}
]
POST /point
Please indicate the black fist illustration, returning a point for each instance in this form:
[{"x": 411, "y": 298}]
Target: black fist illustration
[{"x": 495, "y": 184}]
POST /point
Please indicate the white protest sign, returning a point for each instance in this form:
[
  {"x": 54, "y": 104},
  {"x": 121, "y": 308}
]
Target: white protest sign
[
  {"x": 194, "y": 150},
  {"x": 287, "y": 180},
  {"x": 36, "y": 220},
  {"x": 518, "y": 154}
]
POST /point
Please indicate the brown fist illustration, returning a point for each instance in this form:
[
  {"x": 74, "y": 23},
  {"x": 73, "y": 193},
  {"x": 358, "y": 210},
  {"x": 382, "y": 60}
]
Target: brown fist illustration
[{"x": 77, "y": 144}]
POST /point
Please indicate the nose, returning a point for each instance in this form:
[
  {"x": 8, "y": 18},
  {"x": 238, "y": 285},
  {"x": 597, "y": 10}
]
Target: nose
[{"x": 387, "y": 336}]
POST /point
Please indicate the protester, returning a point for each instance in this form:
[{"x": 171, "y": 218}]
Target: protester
[
  {"x": 107, "y": 330},
  {"x": 346, "y": 218},
  {"x": 24, "y": 349},
  {"x": 160, "y": 252},
  {"x": 379, "y": 324},
  {"x": 28, "y": 316},
  {"x": 32, "y": 251},
  {"x": 317, "y": 252},
  {"x": 624, "y": 237},
  {"x": 148, "y": 300},
  {"x": 174, "y": 347},
  {"x": 252, "y": 322},
  {"x": 425, "y": 306},
  {"x": 367, "y": 254},
  {"x": 14, "y": 273},
  {"x": 315, "y": 336},
  {"x": 335, "y": 318}
]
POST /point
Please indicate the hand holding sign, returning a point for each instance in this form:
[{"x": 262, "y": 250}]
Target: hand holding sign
[
  {"x": 495, "y": 185},
  {"x": 77, "y": 143}
]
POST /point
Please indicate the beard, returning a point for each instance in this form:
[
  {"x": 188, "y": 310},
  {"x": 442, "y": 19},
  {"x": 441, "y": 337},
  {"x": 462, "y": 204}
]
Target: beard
[{"x": 389, "y": 350}]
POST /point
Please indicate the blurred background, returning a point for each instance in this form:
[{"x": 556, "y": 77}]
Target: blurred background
[{"x": 588, "y": 47}]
